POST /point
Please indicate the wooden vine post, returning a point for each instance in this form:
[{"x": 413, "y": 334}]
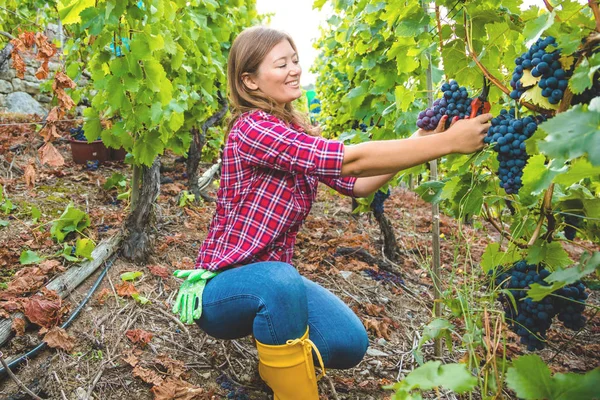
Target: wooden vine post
[{"x": 435, "y": 216}]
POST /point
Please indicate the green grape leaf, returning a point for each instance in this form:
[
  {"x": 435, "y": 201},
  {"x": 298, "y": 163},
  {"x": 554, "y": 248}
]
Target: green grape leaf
[
  {"x": 537, "y": 177},
  {"x": 431, "y": 191},
  {"x": 433, "y": 374},
  {"x": 534, "y": 28},
  {"x": 92, "y": 125},
  {"x": 36, "y": 214},
  {"x": 578, "y": 170},
  {"x": 140, "y": 299},
  {"x": 583, "y": 75},
  {"x": 30, "y": 257},
  {"x": 551, "y": 254},
  {"x": 155, "y": 74},
  {"x": 530, "y": 378},
  {"x": 576, "y": 386},
  {"x": 84, "y": 248},
  {"x": 69, "y": 10},
  {"x": 572, "y": 134},
  {"x": 71, "y": 220},
  {"x": 145, "y": 151},
  {"x": 537, "y": 292},
  {"x": 573, "y": 274},
  {"x": 493, "y": 257},
  {"x": 131, "y": 276}
]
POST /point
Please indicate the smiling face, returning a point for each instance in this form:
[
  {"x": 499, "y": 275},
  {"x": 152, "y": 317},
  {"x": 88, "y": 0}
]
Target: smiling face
[{"x": 278, "y": 75}]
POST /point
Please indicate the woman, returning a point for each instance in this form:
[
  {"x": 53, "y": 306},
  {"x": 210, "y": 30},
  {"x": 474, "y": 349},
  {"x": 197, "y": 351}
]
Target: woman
[{"x": 272, "y": 163}]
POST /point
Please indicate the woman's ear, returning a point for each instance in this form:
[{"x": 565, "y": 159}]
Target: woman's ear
[{"x": 248, "y": 81}]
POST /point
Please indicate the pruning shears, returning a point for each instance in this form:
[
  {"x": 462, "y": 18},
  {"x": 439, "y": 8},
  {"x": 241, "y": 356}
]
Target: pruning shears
[{"x": 480, "y": 105}]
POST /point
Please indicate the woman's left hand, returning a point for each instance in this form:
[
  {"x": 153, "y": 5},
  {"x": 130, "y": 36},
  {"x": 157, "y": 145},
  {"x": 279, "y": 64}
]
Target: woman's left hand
[{"x": 441, "y": 127}]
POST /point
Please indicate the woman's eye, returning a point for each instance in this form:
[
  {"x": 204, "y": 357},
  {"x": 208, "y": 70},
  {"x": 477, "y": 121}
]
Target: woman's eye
[{"x": 282, "y": 66}]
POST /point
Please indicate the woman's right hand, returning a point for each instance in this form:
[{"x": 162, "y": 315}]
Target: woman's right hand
[{"x": 468, "y": 134}]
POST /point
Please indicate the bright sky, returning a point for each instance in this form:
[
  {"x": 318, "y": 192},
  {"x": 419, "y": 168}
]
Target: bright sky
[{"x": 302, "y": 22}]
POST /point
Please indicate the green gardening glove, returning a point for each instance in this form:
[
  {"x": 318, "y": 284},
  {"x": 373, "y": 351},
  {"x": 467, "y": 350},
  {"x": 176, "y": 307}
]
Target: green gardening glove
[{"x": 190, "y": 293}]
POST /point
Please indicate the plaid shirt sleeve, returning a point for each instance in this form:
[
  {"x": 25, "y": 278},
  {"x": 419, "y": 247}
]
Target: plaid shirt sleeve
[
  {"x": 343, "y": 185},
  {"x": 268, "y": 143}
]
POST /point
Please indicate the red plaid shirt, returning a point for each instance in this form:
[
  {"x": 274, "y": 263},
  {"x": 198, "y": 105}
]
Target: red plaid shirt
[{"x": 269, "y": 181}]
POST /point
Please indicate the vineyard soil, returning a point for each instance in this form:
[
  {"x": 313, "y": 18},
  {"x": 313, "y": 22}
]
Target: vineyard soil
[{"x": 102, "y": 358}]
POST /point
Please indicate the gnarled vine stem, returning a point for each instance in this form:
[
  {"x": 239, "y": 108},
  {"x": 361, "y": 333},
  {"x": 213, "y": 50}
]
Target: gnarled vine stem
[
  {"x": 596, "y": 10},
  {"x": 488, "y": 217},
  {"x": 545, "y": 212}
]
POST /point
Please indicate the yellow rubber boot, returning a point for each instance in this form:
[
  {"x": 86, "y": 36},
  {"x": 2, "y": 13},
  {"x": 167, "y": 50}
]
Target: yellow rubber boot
[{"x": 288, "y": 369}]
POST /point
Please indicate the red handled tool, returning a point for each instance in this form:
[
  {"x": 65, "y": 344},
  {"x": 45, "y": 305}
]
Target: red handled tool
[{"x": 480, "y": 105}]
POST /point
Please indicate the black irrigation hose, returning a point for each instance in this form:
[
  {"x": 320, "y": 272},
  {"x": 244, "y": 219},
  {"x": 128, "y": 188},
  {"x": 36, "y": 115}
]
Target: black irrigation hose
[{"x": 43, "y": 345}]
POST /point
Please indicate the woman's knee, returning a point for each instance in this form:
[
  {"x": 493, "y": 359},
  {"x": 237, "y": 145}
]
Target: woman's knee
[
  {"x": 280, "y": 283},
  {"x": 348, "y": 353}
]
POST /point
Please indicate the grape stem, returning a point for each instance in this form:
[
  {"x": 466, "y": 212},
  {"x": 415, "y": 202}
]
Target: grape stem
[
  {"x": 488, "y": 217},
  {"x": 439, "y": 27},
  {"x": 596, "y": 10},
  {"x": 545, "y": 212},
  {"x": 489, "y": 75}
]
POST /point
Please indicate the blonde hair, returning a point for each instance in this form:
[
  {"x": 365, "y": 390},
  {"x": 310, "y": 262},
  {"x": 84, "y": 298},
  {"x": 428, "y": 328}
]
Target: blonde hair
[{"x": 248, "y": 51}]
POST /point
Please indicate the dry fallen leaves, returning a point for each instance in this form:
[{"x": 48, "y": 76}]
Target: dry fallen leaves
[
  {"x": 126, "y": 289},
  {"x": 103, "y": 295},
  {"x": 139, "y": 336},
  {"x": 49, "y": 155},
  {"x": 177, "y": 389},
  {"x": 380, "y": 328},
  {"x": 18, "y": 326},
  {"x": 159, "y": 270},
  {"x": 29, "y": 176},
  {"x": 147, "y": 375},
  {"x": 44, "y": 309},
  {"x": 58, "y": 338}
]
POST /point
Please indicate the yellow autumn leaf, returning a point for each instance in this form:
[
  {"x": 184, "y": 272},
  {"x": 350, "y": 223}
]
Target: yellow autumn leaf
[
  {"x": 566, "y": 62},
  {"x": 528, "y": 79},
  {"x": 534, "y": 96}
]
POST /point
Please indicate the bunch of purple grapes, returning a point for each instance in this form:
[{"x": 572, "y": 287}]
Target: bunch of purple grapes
[
  {"x": 532, "y": 319},
  {"x": 378, "y": 200},
  {"x": 384, "y": 276},
  {"x": 454, "y": 103},
  {"x": 235, "y": 393},
  {"x": 571, "y": 305},
  {"x": 508, "y": 135},
  {"x": 78, "y": 133},
  {"x": 545, "y": 64}
]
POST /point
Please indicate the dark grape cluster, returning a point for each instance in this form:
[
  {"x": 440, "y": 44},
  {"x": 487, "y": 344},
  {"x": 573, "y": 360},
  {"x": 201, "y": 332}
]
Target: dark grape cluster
[
  {"x": 508, "y": 135},
  {"x": 571, "y": 224},
  {"x": 571, "y": 305},
  {"x": 78, "y": 133},
  {"x": 103, "y": 228},
  {"x": 384, "y": 276},
  {"x": 235, "y": 392},
  {"x": 92, "y": 165},
  {"x": 378, "y": 200},
  {"x": 532, "y": 319},
  {"x": 543, "y": 64},
  {"x": 454, "y": 103}
]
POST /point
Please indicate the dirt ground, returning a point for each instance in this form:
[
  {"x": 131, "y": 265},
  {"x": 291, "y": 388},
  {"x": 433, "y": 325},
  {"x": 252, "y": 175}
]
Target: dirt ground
[{"x": 127, "y": 350}]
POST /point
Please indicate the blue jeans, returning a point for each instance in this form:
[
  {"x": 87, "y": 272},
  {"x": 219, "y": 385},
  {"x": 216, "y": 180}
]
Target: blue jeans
[{"x": 275, "y": 303}]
